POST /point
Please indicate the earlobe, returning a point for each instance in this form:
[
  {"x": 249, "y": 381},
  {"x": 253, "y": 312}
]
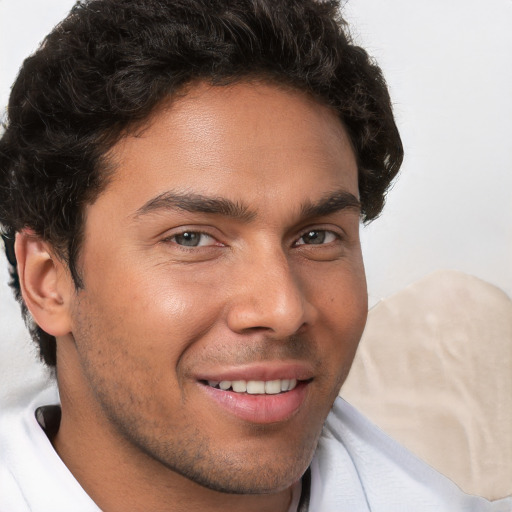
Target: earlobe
[{"x": 44, "y": 283}]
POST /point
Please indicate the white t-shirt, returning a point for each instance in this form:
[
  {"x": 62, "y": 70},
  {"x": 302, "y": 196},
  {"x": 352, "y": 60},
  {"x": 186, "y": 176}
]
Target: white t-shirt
[{"x": 356, "y": 468}]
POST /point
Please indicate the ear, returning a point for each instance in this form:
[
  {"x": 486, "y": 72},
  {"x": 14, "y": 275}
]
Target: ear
[{"x": 46, "y": 285}]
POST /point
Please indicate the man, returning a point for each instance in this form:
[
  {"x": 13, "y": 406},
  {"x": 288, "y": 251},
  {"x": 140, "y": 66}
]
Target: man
[{"x": 181, "y": 189}]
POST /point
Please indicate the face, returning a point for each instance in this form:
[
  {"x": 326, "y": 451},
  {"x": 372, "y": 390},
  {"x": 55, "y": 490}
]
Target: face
[{"x": 224, "y": 291}]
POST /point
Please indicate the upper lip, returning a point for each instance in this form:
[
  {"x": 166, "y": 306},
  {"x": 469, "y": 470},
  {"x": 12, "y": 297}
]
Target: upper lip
[{"x": 270, "y": 370}]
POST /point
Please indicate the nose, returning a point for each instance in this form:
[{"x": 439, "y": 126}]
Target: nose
[{"x": 269, "y": 296}]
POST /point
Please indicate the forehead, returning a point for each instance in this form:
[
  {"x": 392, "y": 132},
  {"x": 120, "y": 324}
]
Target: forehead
[{"x": 225, "y": 140}]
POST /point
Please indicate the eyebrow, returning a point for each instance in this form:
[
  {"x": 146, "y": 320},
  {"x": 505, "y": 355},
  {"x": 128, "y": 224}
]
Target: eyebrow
[
  {"x": 331, "y": 203},
  {"x": 197, "y": 203}
]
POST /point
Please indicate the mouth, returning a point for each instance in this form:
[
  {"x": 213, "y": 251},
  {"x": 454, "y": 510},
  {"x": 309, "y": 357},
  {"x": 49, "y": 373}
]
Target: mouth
[
  {"x": 258, "y": 401},
  {"x": 254, "y": 387}
]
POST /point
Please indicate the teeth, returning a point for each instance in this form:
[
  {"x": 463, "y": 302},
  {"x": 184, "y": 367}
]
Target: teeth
[
  {"x": 255, "y": 387},
  {"x": 272, "y": 387},
  {"x": 239, "y": 386}
]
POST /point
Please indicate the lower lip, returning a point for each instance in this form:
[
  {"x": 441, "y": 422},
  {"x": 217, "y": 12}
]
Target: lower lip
[{"x": 260, "y": 408}]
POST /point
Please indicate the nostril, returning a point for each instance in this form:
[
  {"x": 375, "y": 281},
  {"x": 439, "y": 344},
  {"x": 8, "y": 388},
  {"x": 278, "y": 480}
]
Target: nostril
[{"x": 257, "y": 328}]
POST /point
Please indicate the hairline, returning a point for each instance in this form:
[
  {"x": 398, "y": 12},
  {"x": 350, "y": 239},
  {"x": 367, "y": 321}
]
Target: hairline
[{"x": 107, "y": 167}]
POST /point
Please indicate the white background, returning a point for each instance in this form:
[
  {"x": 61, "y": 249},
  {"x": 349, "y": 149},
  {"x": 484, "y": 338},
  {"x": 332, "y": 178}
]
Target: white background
[{"x": 449, "y": 68}]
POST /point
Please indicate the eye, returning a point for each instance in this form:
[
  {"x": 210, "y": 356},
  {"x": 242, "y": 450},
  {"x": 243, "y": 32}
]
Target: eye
[
  {"x": 192, "y": 239},
  {"x": 317, "y": 237}
]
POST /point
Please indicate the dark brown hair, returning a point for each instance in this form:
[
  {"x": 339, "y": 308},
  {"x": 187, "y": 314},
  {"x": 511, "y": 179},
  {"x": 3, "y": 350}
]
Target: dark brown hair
[{"x": 108, "y": 65}]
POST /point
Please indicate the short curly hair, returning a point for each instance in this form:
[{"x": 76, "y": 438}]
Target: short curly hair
[{"x": 108, "y": 65}]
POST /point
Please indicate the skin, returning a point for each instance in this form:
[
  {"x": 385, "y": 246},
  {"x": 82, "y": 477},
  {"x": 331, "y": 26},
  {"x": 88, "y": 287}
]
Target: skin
[{"x": 139, "y": 430}]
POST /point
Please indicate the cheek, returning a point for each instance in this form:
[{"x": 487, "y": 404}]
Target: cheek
[
  {"x": 342, "y": 305},
  {"x": 351, "y": 305},
  {"x": 341, "y": 296},
  {"x": 151, "y": 314}
]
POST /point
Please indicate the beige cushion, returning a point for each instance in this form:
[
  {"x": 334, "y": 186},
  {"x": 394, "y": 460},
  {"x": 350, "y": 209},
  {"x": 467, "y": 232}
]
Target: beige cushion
[{"x": 434, "y": 370}]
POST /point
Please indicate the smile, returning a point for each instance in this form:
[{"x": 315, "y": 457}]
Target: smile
[
  {"x": 258, "y": 401},
  {"x": 255, "y": 387}
]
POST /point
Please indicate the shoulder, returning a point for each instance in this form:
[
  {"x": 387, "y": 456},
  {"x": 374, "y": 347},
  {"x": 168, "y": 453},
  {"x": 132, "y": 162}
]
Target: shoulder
[
  {"x": 33, "y": 476},
  {"x": 359, "y": 466}
]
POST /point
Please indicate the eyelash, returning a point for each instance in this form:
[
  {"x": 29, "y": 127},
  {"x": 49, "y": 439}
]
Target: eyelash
[
  {"x": 326, "y": 232},
  {"x": 202, "y": 234}
]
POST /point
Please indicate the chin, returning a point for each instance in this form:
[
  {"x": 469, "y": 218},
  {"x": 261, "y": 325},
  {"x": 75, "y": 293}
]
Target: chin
[
  {"x": 257, "y": 480},
  {"x": 247, "y": 470}
]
